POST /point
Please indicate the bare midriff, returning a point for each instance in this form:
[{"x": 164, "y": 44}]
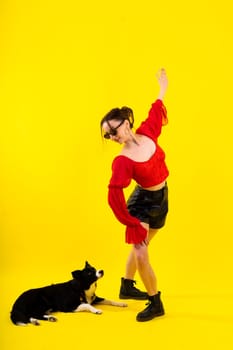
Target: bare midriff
[{"x": 155, "y": 187}]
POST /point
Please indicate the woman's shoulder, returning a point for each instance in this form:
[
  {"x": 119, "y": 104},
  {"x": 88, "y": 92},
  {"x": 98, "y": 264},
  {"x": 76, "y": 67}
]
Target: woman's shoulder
[
  {"x": 121, "y": 159},
  {"x": 122, "y": 168}
]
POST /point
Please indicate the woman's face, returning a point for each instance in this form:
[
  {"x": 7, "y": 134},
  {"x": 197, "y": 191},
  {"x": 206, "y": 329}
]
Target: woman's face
[{"x": 116, "y": 130}]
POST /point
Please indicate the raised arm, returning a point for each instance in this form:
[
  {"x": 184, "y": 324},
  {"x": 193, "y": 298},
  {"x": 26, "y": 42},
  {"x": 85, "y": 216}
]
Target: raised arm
[{"x": 163, "y": 82}]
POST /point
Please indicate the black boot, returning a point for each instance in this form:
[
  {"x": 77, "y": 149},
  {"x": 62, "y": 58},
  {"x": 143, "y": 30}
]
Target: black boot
[
  {"x": 154, "y": 309},
  {"x": 128, "y": 291}
]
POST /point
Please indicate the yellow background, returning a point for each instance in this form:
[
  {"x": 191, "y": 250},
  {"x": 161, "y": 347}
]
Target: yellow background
[{"x": 63, "y": 65}]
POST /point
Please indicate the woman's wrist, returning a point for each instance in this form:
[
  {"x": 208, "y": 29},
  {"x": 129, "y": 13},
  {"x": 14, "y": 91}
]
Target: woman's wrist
[{"x": 161, "y": 94}]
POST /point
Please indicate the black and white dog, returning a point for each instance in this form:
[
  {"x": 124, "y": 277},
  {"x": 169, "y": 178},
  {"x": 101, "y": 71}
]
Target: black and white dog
[{"x": 75, "y": 295}]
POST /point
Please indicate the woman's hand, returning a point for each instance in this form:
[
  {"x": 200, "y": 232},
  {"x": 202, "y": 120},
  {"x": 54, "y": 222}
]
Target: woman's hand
[
  {"x": 145, "y": 241},
  {"x": 163, "y": 82}
]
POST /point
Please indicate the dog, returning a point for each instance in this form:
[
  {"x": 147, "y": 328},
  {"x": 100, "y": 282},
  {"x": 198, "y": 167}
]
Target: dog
[{"x": 75, "y": 295}]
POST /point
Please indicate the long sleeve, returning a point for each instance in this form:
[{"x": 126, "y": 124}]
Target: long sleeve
[
  {"x": 121, "y": 177},
  {"x": 157, "y": 117},
  {"x": 135, "y": 232}
]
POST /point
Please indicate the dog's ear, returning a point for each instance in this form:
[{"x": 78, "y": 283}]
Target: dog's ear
[
  {"x": 76, "y": 274},
  {"x": 87, "y": 265}
]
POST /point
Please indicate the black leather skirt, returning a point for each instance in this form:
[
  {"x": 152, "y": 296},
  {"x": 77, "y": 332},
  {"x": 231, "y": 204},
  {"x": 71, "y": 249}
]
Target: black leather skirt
[{"x": 150, "y": 207}]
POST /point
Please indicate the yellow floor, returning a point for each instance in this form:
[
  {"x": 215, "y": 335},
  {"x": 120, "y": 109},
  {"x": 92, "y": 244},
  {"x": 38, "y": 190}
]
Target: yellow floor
[{"x": 191, "y": 322}]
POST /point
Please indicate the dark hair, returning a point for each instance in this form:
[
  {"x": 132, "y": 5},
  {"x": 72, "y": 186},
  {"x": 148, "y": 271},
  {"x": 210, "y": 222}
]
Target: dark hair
[{"x": 123, "y": 113}]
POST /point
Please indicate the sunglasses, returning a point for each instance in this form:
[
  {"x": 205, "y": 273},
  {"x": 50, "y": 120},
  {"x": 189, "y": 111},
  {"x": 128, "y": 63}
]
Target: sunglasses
[{"x": 113, "y": 131}]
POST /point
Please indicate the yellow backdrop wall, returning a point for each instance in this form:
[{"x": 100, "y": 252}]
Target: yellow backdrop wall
[{"x": 63, "y": 66}]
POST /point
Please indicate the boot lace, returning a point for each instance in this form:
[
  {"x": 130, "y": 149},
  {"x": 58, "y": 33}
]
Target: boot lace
[{"x": 134, "y": 283}]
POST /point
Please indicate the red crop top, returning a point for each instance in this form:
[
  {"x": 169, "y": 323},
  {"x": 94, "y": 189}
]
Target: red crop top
[{"x": 146, "y": 174}]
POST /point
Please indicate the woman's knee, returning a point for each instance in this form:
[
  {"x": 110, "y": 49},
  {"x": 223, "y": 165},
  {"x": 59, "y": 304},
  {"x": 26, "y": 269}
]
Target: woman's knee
[{"x": 141, "y": 255}]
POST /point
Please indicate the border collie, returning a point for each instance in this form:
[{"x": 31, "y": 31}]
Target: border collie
[{"x": 75, "y": 295}]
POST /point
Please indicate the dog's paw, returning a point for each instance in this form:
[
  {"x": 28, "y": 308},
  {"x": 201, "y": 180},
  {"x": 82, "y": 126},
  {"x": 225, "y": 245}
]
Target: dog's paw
[
  {"x": 34, "y": 321},
  {"x": 21, "y": 324},
  {"x": 98, "y": 312},
  {"x": 123, "y": 304},
  {"x": 52, "y": 319},
  {"x": 119, "y": 303}
]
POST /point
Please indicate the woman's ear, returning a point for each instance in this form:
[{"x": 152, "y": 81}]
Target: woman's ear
[{"x": 127, "y": 123}]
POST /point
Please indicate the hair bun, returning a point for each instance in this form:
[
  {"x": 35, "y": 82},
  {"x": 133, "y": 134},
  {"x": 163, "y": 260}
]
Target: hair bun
[{"x": 128, "y": 114}]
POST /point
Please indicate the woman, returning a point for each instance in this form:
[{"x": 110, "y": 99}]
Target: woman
[{"x": 142, "y": 160}]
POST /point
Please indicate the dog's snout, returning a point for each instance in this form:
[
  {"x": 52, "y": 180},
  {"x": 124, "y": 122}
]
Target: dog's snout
[{"x": 100, "y": 273}]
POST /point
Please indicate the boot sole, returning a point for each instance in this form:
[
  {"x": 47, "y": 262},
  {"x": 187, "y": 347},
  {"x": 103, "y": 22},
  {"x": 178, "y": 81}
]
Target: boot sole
[
  {"x": 131, "y": 297},
  {"x": 149, "y": 318}
]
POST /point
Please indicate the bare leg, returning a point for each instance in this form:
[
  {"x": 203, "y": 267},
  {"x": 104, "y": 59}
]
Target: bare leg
[
  {"x": 152, "y": 232},
  {"x": 144, "y": 268},
  {"x": 131, "y": 266},
  {"x": 155, "y": 306},
  {"x": 143, "y": 265}
]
